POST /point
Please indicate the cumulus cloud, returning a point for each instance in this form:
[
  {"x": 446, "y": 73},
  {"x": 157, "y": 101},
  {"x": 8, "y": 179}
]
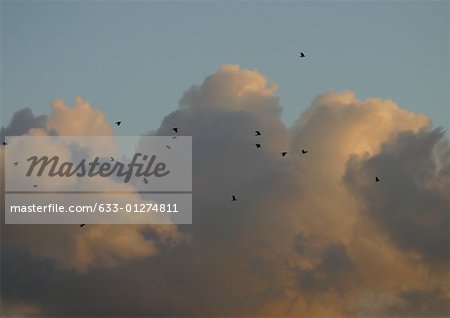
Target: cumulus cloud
[
  {"x": 413, "y": 204},
  {"x": 97, "y": 245},
  {"x": 81, "y": 120},
  {"x": 310, "y": 235}
]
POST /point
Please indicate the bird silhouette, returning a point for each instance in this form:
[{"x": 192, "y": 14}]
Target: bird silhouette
[
  {"x": 283, "y": 153},
  {"x": 175, "y": 129},
  {"x": 233, "y": 198},
  {"x": 16, "y": 164},
  {"x": 258, "y": 145},
  {"x": 145, "y": 181},
  {"x": 304, "y": 151},
  {"x": 81, "y": 225},
  {"x": 257, "y": 133},
  {"x": 302, "y": 54},
  {"x": 377, "y": 179},
  {"x": 118, "y": 123}
]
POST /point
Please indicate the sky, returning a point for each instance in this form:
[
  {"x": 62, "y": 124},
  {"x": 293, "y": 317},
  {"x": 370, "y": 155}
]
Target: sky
[
  {"x": 311, "y": 234},
  {"x": 127, "y": 57}
]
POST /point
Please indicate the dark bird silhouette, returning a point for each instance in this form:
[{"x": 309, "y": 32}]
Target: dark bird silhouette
[
  {"x": 304, "y": 151},
  {"x": 81, "y": 225},
  {"x": 233, "y": 198},
  {"x": 118, "y": 123},
  {"x": 16, "y": 164},
  {"x": 302, "y": 54},
  {"x": 257, "y": 133},
  {"x": 283, "y": 153},
  {"x": 258, "y": 145},
  {"x": 175, "y": 129},
  {"x": 377, "y": 179},
  {"x": 145, "y": 181},
  {"x": 5, "y": 143}
]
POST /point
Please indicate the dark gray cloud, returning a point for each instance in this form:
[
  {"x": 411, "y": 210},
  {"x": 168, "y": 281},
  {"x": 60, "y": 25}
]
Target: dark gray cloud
[
  {"x": 336, "y": 271},
  {"x": 23, "y": 120},
  {"x": 417, "y": 303},
  {"x": 412, "y": 201}
]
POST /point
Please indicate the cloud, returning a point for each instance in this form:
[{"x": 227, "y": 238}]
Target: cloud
[
  {"x": 412, "y": 205},
  {"x": 97, "y": 245},
  {"x": 306, "y": 236},
  {"x": 81, "y": 120},
  {"x": 416, "y": 303},
  {"x": 22, "y": 121},
  {"x": 17, "y": 309},
  {"x": 231, "y": 88}
]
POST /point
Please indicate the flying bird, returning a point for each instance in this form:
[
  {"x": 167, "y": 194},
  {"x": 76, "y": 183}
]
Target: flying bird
[
  {"x": 302, "y": 54},
  {"x": 118, "y": 123},
  {"x": 81, "y": 225},
  {"x": 283, "y": 154},
  {"x": 257, "y": 133},
  {"x": 16, "y": 163},
  {"x": 304, "y": 151},
  {"x": 175, "y": 129},
  {"x": 233, "y": 198},
  {"x": 377, "y": 179},
  {"x": 258, "y": 145}
]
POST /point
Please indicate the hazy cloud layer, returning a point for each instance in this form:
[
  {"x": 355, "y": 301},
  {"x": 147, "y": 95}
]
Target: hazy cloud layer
[{"x": 310, "y": 235}]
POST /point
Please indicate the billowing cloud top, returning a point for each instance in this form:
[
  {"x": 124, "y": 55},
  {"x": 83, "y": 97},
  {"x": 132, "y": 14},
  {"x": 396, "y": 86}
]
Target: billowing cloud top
[
  {"x": 82, "y": 120},
  {"x": 310, "y": 235},
  {"x": 236, "y": 89}
]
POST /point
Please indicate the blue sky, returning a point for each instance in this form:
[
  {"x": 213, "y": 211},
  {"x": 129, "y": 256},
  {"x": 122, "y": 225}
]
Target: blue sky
[{"x": 134, "y": 59}]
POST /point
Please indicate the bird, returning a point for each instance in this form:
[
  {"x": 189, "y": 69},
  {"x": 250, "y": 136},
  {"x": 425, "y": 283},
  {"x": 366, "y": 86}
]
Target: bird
[
  {"x": 377, "y": 179},
  {"x": 16, "y": 163},
  {"x": 283, "y": 154},
  {"x": 175, "y": 129},
  {"x": 302, "y": 54},
  {"x": 233, "y": 198},
  {"x": 145, "y": 181},
  {"x": 257, "y": 133},
  {"x": 81, "y": 225},
  {"x": 304, "y": 151},
  {"x": 118, "y": 123},
  {"x": 258, "y": 145}
]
